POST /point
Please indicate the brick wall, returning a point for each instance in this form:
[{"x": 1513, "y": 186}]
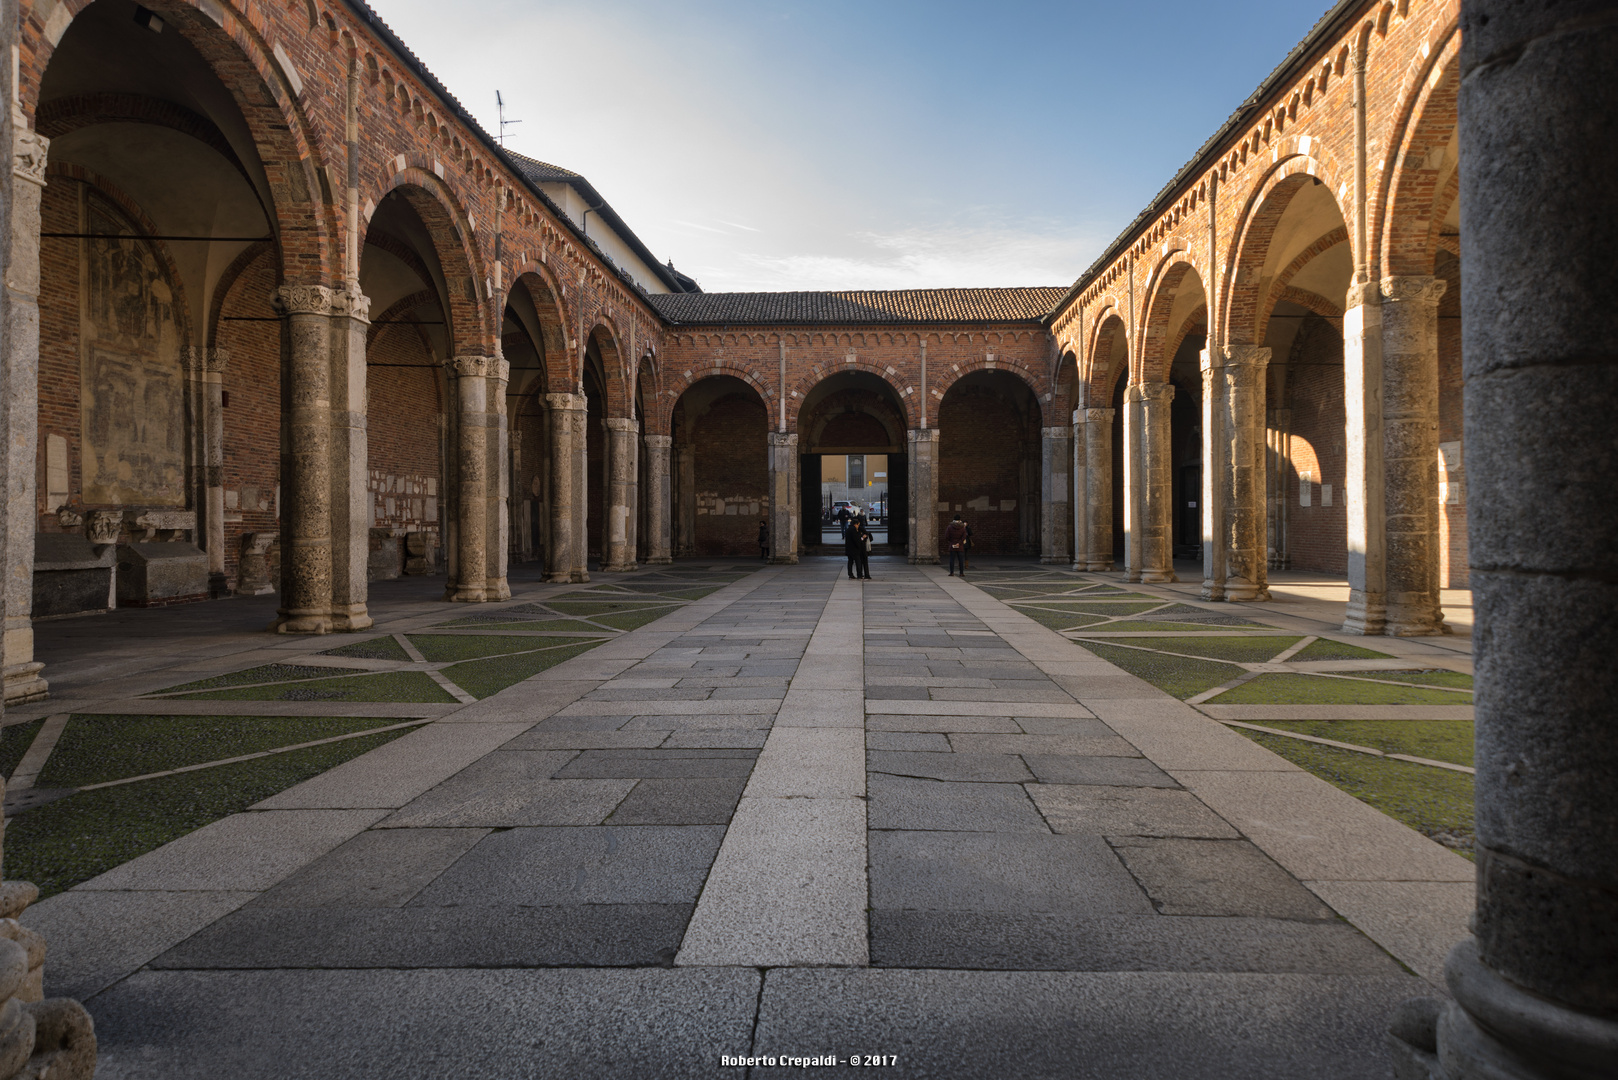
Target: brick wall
[
  {"x": 406, "y": 472},
  {"x": 252, "y": 417},
  {"x": 983, "y": 441},
  {"x": 732, "y": 475},
  {"x": 1317, "y": 534},
  {"x": 59, "y": 340}
]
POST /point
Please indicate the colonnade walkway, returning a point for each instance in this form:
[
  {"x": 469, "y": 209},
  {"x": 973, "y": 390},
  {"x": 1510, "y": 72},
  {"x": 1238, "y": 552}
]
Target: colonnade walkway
[{"x": 755, "y": 812}]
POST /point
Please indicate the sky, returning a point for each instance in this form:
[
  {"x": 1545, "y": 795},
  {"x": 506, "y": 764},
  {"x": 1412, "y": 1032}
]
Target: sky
[{"x": 838, "y": 144}]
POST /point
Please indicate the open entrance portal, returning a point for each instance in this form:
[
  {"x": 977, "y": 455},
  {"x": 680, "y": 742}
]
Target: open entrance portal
[{"x": 852, "y": 437}]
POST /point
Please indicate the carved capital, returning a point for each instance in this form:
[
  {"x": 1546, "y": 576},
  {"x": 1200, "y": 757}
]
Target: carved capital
[
  {"x": 29, "y": 156},
  {"x": 303, "y": 300},
  {"x": 1361, "y": 293},
  {"x": 352, "y": 303},
  {"x": 783, "y": 438},
  {"x": 922, "y": 435},
  {"x": 103, "y": 526},
  {"x": 500, "y": 368},
  {"x": 565, "y": 402},
  {"x": 470, "y": 366},
  {"x": 1159, "y": 393},
  {"x": 1413, "y": 289},
  {"x": 658, "y": 442},
  {"x": 1098, "y": 416},
  {"x": 1246, "y": 355},
  {"x": 216, "y": 359}
]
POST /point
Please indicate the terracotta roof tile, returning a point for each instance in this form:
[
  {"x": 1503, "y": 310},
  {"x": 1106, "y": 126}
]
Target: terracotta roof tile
[{"x": 908, "y": 306}]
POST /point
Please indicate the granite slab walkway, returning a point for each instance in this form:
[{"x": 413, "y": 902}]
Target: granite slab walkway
[{"x": 803, "y": 816}]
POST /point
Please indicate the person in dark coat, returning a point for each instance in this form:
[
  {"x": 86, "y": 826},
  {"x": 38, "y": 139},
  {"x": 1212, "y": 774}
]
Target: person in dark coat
[
  {"x": 842, "y": 522},
  {"x": 955, "y": 538},
  {"x": 764, "y": 538},
  {"x": 854, "y": 548}
]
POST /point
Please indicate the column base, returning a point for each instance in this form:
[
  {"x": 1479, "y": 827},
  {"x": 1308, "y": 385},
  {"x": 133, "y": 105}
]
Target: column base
[
  {"x": 657, "y": 560},
  {"x": 1212, "y": 590},
  {"x": 619, "y": 568},
  {"x": 1365, "y": 615},
  {"x": 1157, "y": 577},
  {"x": 1414, "y": 620},
  {"x": 1132, "y": 576},
  {"x": 1240, "y": 591},
  {"x": 496, "y": 589},
  {"x": 579, "y": 577},
  {"x": 558, "y": 577},
  {"x": 1494, "y": 1030},
  {"x": 465, "y": 594},
  {"x": 1099, "y": 566},
  {"x": 1054, "y": 560},
  {"x": 783, "y": 560},
  {"x": 302, "y": 622},
  {"x": 925, "y": 560},
  {"x": 351, "y": 618},
  {"x": 24, "y": 683}
]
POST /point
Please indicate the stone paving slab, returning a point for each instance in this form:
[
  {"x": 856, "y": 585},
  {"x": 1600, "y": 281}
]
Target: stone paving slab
[{"x": 1018, "y": 873}]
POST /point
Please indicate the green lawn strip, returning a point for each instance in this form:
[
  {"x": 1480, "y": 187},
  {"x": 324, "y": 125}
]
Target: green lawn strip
[
  {"x": 1240, "y": 650},
  {"x": 14, "y": 743},
  {"x": 94, "y": 749},
  {"x": 689, "y": 594},
  {"x": 1326, "y": 649},
  {"x": 412, "y": 687},
  {"x": 1093, "y": 608},
  {"x": 62, "y": 843},
  {"x": 481, "y": 678},
  {"x": 1435, "y": 802},
  {"x": 605, "y": 607},
  {"x": 265, "y": 673},
  {"x": 1188, "y": 613},
  {"x": 1060, "y": 620},
  {"x": 447, "y": 648},
  {"x": 1175, "y": 675},
  {"x": 1300, "y": 689},
  {"x": 484, "y": 623},
  {"x": 1425, "y": 677},
  {"x": 1140, "y": 627},
  {"x": 379, "y": 648},
  {"x": 1441, "y": 740},
  {"x": 629, "y": 620},
  {"x": 1009, "y": 590}
]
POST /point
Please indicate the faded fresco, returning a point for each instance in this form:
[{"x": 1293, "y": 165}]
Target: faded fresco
[{"x": 133, "y": 382}]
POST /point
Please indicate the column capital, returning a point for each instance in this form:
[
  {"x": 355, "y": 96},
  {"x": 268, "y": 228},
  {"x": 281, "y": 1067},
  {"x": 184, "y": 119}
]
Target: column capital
[
  {"x": 469, "y": 366},
  {"x": 783, "y": 438},
  {"x": 350, "y": 302},
  {"x": 1097, "y": 416},
  {"x": 499, "y": 368},
  {"x": 1159, "y": 393},
  {"x": 566, "y": 402},
  {"x": 1063, "y": 432},
  {"x": 658, "y": 442},
  {"x": 1413, "y": 288},
  {"x": 302, "y": 300},
  {"x": 921, "y": 435},
  {"x": 621, "y": 423},
  {"x": 29, "y": 155},
  {"x": 216, "y": 359},
  {"x": 1245, "y": 355},
  {"x": 1362, "y": 294}
]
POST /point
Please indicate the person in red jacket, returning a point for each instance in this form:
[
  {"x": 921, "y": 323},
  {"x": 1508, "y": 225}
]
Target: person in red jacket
[{"x": 955, "y": 540}]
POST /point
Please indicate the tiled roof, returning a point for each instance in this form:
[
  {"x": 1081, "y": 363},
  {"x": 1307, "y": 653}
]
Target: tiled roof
[
  {"x": 860, "y": 307},
  {"x": 541, "y": 172}
]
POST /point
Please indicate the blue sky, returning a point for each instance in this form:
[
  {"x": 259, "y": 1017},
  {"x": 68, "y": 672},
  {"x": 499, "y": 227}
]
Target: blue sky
[{"x": 886, "y": 144}]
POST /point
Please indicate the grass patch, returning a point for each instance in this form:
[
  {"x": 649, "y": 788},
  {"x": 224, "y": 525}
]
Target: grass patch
[
  {"x": 411, "y": 687},
  {"x": 378, "y": 648},
  {"x": 71, "y": 840},
  {"x": 446, "y": 648},
  {"x": 601, "y": 607},
  {"x": 94, "y": 749},
  {"x": 482, "y": 678},
  {"x": 485, "y": 623},
  {"x": 1241, "y": 650},
  {"x": 1300, "y": 689},
  {"x": 1435, "y": 802},
  {"x": 629, "y": 620},
  {"x": 1172, "y": 674},
  {"x": 1326, "y": 649},
  {"x": 1060, "y": 620},
  {"x": 1112, "y": 607},
  {"x": 1142, "y": 626},
  {"x": 263, "y": 674},
  {"x": 690, "y": 594},
  {"x": 1441, "y": 740},
  {"x": 14, "y": 743},
  {"x": 1426, "y": 677}
]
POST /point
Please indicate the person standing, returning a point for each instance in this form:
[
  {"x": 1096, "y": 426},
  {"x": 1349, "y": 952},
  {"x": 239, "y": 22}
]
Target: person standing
[
  {"x": 966, "y": 549},
  {"x": 955, "y": 540},
  {"x": 853, "y": 547},
  {"x": 764, "y": 538},
  {"x": 842, "y": 522},
  {"x": 862, "y": 553}
]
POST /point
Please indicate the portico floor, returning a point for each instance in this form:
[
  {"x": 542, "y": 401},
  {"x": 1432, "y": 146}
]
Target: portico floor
[{"x": 792, "y": 815}]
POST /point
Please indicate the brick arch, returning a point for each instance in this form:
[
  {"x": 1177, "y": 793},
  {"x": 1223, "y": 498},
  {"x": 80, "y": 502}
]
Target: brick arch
[
  {"x": 1009, "y": 366},
  {"x": 678, "y": 385},
  {"x": 459, "y": 261},
  {"x": 1311, "y": 300},
  {"x": 1410, "y": 203},
  {"x": 1154, "y": 356},
  {"x": 288, "y": 140},
  {"x": 1244, "y": 304},
  {"x": 390, "y": 317},
  {"x": 64, "y": 115},
  {"x": 615, "y": 374},
  {"x": 539, "y": 284},
  {"x": 805, "y": 385},
  {"x": 1196, "y": 319},
  {"x": 648, "y": 380},
  {"x": 1099, "y": 380},
  {"x": 227, "y": 281},
  {"x": 1065, "y": 382},
  {"x": 1282, "y": 284}
]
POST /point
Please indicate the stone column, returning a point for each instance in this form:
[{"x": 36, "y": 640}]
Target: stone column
[
  {"x": 1211, "y": 511},
  {"x": 1363, "y": 476},
  {"x": 469, "y": 583},
  {"x": 1243, "y": 477},
  {"x": 1133, "y": 509},
  {"x": 1536, "y": 989},
  {"x": 685, "y": 501},
  {"x": 659, "y": 539},
  {"x": 350, "y": 462},
  {"x": 784, "y": 509},
  {"x": 19, "y": 326},
  {"x": 306, "y": 487},
  {"x": 211, "y": 370},
  {"x": 617, "y": 545},
  {"x": 1079, "y": 522},
  {"x": 1055, "y": 512},
  {"x": 923, "y": 461},
  {"x": 1098, "y": 494},
  {"x": 497, "y": 495},
  {"x": 565, "y": 416},
  {"x": 1410, "y": 453},
  {"x": 1156, "y": 483}
]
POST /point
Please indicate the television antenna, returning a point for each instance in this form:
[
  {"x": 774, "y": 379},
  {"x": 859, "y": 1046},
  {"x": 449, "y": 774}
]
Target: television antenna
[{"x": 500, "y": 104}]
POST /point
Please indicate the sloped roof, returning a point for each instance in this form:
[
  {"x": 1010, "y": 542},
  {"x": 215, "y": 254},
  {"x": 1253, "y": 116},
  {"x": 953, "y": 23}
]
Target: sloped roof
[{"x": 860, "y": 307}]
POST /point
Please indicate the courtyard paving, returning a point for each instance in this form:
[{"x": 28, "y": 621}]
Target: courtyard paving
[{"x": 716, "y": 810}]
